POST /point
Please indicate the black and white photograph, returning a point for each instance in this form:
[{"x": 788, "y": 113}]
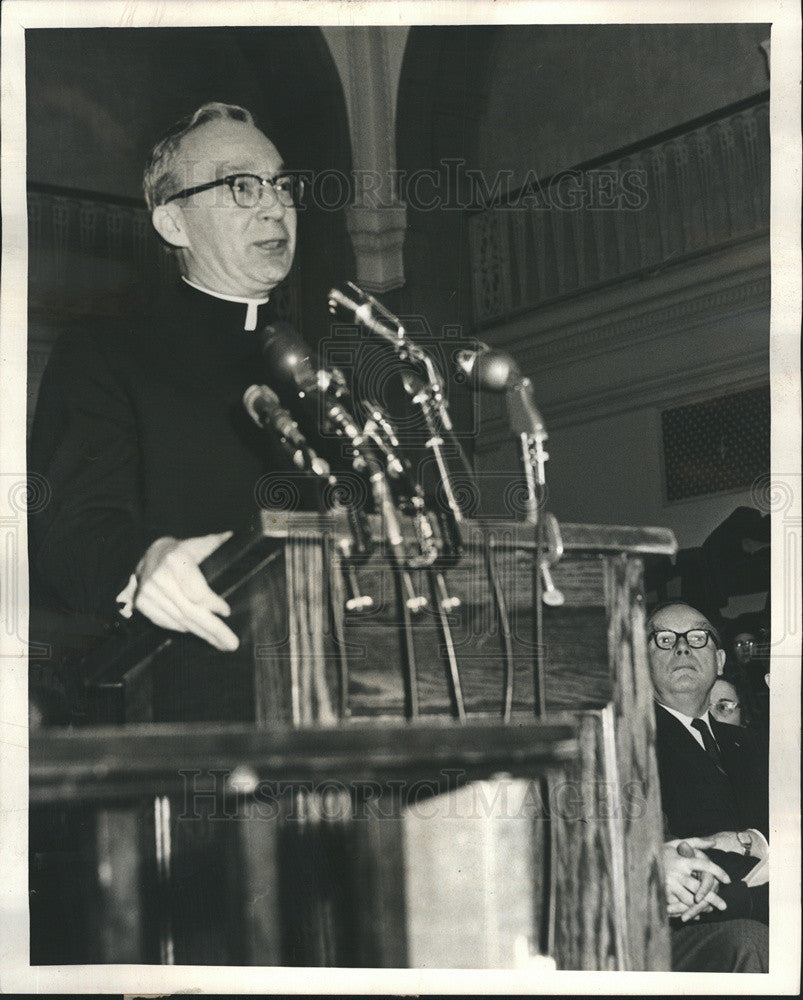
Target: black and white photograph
[{"x": 400, "y": 496}]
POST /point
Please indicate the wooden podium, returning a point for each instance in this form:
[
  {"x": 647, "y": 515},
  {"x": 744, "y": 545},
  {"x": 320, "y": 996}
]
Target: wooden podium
[{"x": 442, "y": 693}]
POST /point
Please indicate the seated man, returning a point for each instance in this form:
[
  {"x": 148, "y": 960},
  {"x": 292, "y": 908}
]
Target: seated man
[{"x": 714, "y": 792}]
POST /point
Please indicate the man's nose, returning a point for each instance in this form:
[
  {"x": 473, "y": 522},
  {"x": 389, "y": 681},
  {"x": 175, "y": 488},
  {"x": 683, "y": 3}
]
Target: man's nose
[
  {"x": 269, "y": 206},
  {"x": 682, "y": 647}
]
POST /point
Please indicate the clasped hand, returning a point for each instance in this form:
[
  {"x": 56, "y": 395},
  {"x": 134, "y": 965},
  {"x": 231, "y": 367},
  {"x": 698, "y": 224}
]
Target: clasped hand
[
  {"x": 740, "y": 842},
  {"x": 173, "y": 593},
  {"x": 692, "y": 878}
]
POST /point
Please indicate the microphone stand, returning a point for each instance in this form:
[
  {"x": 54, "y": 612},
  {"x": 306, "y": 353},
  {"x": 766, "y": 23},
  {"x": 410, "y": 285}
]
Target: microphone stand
[
  {"x": 528, "y": 425},
  {"x": 411, "y": 603},
  {"x": 427, "y": 557},
  {"x": 427, "y": 394},
  {"x": 367, "y": 461},
  {"x": 526, "y": 422}
]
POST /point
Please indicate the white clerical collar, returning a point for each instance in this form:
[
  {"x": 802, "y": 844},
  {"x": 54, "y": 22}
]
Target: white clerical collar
[{"x": 253, "y": 304}]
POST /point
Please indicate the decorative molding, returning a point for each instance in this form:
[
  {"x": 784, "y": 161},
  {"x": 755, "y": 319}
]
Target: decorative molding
[
  {"x": 729, "y": 375},
  {"x": 590, "y": 358},
  {"x": 726, "y": 375},
  {"x": 343, "y": 43},
  {"x": 600, "y": 322},
  {"x": 740, "y": 263},
  {"x": 38, "y": 357},
  {"x": 765, "y": 48},
  {"x": 628, "y": 329}
]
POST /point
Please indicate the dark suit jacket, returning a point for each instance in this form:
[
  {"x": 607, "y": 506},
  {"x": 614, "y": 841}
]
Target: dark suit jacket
[
  {"x": 140, "y": 432},
  {"x": 698, "y": 800}
]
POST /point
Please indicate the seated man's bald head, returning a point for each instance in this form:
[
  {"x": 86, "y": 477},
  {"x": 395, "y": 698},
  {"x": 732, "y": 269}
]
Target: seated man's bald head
[{"x": 686, "y": 657}]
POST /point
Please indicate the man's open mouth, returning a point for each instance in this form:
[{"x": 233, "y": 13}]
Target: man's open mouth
[{"x": 272, "y": 245}]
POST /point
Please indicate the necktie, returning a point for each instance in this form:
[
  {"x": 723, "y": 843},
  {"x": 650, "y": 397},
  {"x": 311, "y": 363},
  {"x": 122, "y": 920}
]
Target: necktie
[{"x": 709, "y": 743}]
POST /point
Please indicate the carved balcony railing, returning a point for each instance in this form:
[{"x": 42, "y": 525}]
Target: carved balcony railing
[{"x": 692, "y": 190}]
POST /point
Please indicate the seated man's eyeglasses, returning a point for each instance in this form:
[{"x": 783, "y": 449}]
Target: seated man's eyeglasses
[
  {"x": 248, "y": 189},
  {"x": 696, "y": 638}
]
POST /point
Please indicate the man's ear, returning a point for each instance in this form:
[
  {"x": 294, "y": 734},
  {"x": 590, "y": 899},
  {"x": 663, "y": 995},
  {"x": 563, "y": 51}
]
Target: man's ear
[
  {"x": 720, "y": 661},
  {"x": 168, "y": 221}
]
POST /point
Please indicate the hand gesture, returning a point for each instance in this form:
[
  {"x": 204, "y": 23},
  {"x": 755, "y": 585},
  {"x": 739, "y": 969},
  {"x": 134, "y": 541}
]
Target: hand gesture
[{"x": 173, "y": 593}]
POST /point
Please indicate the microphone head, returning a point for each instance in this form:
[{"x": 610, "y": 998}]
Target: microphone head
[
  {"x": 489, "y": 369},
  {"x": 287, "y": 356},
  {"x": 413, "y": 384},
  {"x": 259, "y": 400}
]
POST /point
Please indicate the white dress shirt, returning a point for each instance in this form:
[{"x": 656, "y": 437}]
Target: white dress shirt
[{"x": 687, "y": 722}]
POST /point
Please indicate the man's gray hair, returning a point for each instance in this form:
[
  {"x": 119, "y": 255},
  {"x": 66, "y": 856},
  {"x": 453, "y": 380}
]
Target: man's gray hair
[{"x": 160, "y": 180}]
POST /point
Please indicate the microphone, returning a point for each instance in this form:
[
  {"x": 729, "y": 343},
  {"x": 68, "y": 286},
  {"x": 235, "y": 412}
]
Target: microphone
[
  {"x": 363, "y": 313},
  {"x": 488, "y": 369},
  {"x": 524, "y": 415},
  {"x": 496, "y": 371},
  {"x": 288, "y": 357},
  {"x": 262, "y": 406}
]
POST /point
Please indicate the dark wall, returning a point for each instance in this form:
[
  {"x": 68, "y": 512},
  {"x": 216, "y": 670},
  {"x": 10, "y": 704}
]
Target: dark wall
[
  {"x": 442, "y": 93},
  {"x": 510, "y": 101},
  {"x": 563, "y": 94}
]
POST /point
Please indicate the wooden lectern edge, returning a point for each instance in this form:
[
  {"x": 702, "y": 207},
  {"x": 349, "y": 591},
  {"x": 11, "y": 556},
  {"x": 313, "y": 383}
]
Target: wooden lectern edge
[
  {"x": 576, "y": 537},
  {"x": 118, "y": 762}
]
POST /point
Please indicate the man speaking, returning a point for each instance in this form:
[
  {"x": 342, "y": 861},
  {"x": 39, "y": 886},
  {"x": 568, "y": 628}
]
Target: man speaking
[{"x": 140, "y": 430}]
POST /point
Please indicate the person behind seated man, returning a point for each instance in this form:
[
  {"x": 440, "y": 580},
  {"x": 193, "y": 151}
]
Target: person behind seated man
[
  {"x": 748, "y": 659},
  {"x": 725, "y": 705},
  {"x": 714, "y": 793}
]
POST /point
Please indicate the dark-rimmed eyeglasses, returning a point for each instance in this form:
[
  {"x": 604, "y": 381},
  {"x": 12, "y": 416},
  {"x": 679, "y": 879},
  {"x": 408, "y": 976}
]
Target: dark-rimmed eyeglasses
[
  {"x": 667, "y": 638},
  {"x": 249, "y": 189}
]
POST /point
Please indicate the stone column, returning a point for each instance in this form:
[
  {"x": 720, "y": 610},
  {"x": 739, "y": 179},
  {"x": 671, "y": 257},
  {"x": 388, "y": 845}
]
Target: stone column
[{"x": 368, "y": 60}]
